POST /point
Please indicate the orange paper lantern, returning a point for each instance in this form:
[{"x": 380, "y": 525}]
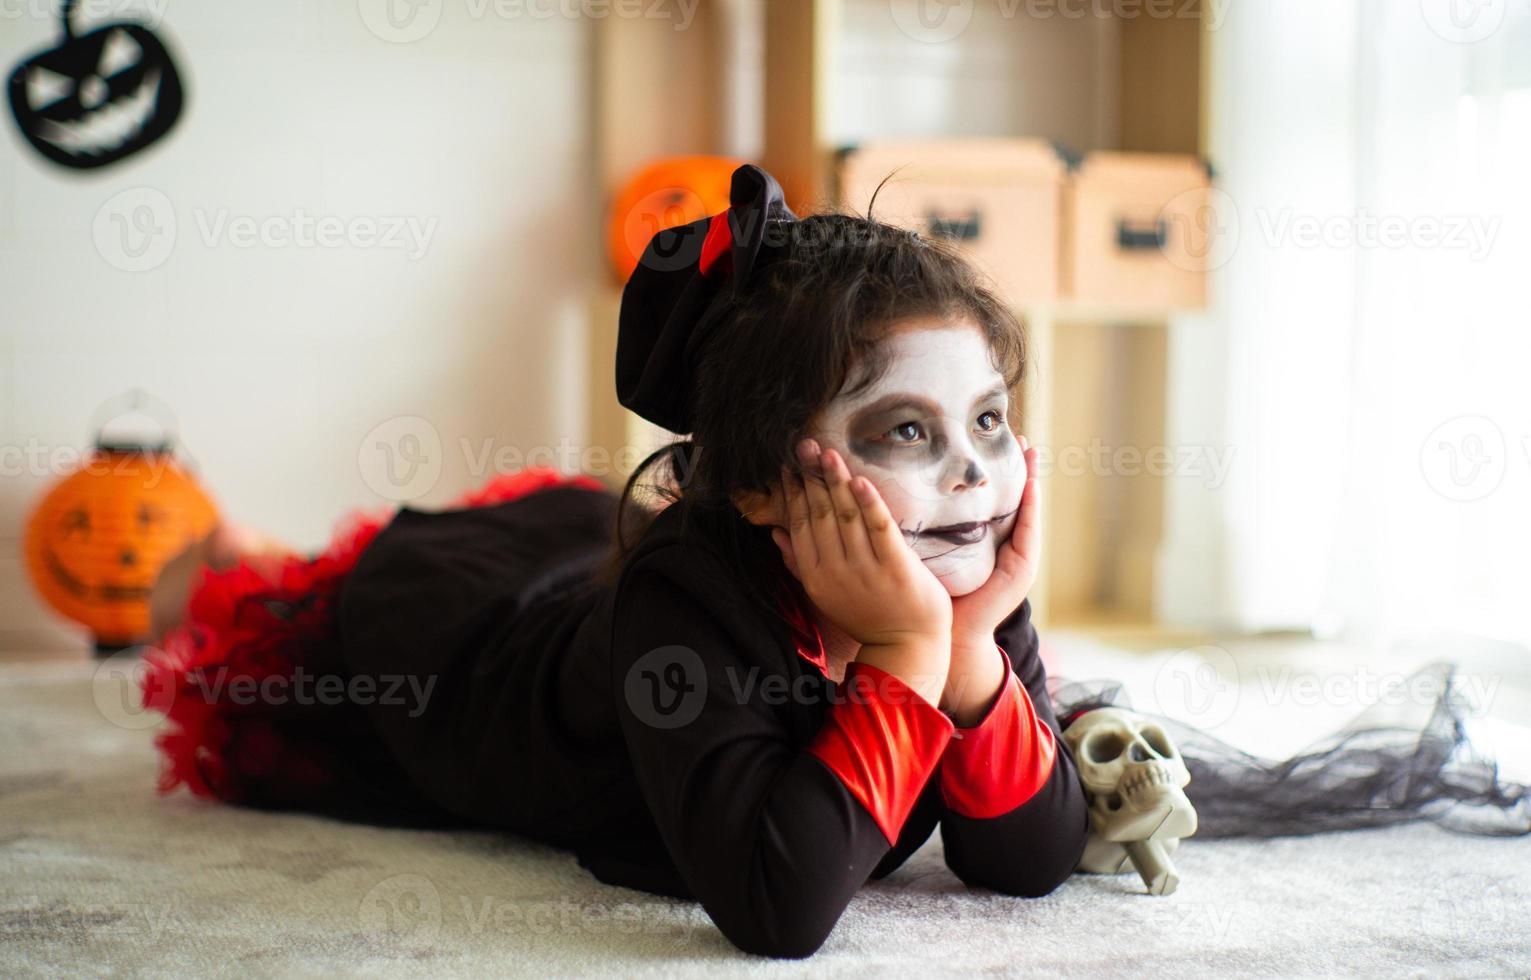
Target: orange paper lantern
[
  {"x": 98, "y": 538},
  {"x": 672, "y": 192}
]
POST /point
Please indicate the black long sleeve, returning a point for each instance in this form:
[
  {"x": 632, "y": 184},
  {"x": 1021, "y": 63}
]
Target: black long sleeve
[
  {"x": 674, "y": 734},
  {"x": 769, "y": 839},
  {"x": 1033, "y": 848}
]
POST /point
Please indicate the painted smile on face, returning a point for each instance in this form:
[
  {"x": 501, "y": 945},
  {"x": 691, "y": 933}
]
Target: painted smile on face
[{"x": 932, "y": 435}]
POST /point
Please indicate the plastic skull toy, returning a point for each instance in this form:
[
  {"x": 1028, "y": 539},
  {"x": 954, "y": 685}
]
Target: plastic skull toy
[{"x": 1135, "y": 779}]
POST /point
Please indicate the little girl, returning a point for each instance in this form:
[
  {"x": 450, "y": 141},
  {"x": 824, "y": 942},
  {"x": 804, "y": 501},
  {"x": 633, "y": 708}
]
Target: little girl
[{"x": 759, "y": 694}]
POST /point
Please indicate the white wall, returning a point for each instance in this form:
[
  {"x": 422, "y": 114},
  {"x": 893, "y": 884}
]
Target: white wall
[
  {"x": 983, "y": 68},
  {"x": 990, "y": 70},
  {"x": 280, "y": 359}
]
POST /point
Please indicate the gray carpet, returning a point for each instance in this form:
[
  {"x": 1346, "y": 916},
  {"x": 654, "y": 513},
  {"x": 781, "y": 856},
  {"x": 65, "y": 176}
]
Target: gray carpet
[{"x": 99, "y": 875}]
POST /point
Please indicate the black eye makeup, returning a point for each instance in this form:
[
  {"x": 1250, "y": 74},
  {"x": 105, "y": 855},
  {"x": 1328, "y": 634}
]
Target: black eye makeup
[
  {"x": 903, "y": 421},
  {"x": 892, "y": 424}
]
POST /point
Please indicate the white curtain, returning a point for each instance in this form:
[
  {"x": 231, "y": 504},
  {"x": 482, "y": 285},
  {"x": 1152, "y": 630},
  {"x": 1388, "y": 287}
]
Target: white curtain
[
  {"x": 1440, "y": 507},
  {"x": 1374, "y": 319}
]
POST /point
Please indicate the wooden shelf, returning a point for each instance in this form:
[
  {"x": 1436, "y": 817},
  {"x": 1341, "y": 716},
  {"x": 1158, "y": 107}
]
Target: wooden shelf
[
  {"x": 1072, "y": 312},
  {"x": 1100, "y": 382},
  {"x": 658, "y": 92}
]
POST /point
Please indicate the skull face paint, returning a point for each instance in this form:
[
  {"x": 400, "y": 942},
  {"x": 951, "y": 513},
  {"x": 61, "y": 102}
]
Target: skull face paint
[{"x": 931, "y": 434}]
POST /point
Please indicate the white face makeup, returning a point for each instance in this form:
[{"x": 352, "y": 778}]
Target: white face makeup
[{"x": 931, "y": 434}]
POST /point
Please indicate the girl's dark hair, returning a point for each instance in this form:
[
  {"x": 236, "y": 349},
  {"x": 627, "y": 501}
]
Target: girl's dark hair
[{"x": 785, "y": 345}]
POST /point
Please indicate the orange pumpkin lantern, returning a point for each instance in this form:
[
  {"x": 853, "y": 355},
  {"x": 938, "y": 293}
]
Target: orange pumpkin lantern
[
  {"x": 662, "y": 195},
  {"x": 98, "y": 539}
]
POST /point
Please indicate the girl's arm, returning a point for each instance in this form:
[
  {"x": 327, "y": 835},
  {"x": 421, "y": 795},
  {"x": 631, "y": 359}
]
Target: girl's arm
[
  {"x": 1016, "y": 818},
  {"x": 772, "y": 825}
]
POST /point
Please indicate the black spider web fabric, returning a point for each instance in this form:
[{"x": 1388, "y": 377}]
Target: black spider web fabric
[{"x": 1392, "y": 764}]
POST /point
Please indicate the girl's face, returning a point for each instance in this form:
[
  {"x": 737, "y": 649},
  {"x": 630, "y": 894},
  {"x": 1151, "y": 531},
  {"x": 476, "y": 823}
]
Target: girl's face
[{"x": 932, "y": 436}]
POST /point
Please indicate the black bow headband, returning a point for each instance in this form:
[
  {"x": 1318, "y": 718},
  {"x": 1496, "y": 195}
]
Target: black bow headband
[{"x": 668, "y": 306}]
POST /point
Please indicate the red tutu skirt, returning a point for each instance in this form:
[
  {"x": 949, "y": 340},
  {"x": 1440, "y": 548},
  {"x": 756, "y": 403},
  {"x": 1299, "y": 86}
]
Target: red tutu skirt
[{"x": 242, "y": 680}]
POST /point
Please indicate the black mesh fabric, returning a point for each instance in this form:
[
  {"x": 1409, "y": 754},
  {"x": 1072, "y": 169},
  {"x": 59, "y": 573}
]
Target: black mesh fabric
[{"x": 1392, "y": 764}]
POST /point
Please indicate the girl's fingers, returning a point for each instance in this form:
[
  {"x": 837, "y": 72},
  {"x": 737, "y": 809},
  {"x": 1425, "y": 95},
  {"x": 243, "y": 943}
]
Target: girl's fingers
[
  {"x": 1027, "y": 537},
  {"x": 853, "y": 532},
  {"x": 798, "y": 521},
  {"x": 883, "y": 533},
  {"x": 821, "y": 509},
  {"x": 784, "y": 544}
]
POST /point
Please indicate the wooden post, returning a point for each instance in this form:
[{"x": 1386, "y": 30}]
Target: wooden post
[
  {"x": 655, "y": 91},
  {"x": 1160, "y": 94},
  {"x": 798, "y": 52}
]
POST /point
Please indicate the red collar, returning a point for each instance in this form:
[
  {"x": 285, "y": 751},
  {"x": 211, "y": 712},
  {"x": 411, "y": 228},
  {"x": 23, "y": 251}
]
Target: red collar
[{"x": 806, "y": 638}]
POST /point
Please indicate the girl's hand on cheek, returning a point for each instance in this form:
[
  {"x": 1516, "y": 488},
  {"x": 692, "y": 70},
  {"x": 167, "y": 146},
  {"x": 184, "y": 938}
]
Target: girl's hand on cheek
[
  {"x": 844, "y": 546},
  {"x": 976, "y": 615},
  {"x": 977, "y": 671}
]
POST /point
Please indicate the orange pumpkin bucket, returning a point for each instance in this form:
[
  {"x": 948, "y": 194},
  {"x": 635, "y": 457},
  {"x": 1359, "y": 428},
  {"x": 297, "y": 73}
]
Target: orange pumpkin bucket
[
  {"x": 671, "y": 192},
  {"x": 98, "y": 538}
]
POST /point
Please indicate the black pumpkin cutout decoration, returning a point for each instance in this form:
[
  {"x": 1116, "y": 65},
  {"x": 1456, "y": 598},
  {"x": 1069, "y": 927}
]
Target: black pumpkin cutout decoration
[{"x": 96, "y": 97}]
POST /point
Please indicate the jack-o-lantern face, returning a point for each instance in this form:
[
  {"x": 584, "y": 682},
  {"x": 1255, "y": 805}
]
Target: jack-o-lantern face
[
  {"x": 98, "y": 539},
  {"x": 664, "y": 195},
  {"x": 97, "y": 97}
]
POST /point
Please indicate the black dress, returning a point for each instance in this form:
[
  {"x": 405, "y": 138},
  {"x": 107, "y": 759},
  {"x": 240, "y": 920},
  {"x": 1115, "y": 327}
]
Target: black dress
[{"x": 666, "y": 728}]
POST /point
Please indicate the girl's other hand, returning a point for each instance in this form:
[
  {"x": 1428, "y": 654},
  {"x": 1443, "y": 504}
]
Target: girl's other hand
[
  {"x": 977, "y": 671},
  {"x": 976, "y": 614},
  {"x": 844, "y": 546}
]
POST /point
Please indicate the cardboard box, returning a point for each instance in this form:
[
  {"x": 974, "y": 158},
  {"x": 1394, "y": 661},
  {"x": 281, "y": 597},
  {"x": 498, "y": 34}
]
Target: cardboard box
[
  {"x": 1139, "y": 230},
  {"x": 1001, "y": 199}
]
